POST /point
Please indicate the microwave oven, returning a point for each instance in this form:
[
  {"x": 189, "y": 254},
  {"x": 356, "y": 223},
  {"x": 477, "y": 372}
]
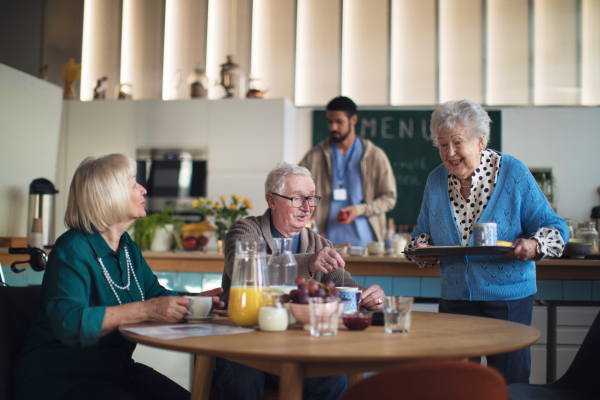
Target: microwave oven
[{"x": 172, "y": 175}]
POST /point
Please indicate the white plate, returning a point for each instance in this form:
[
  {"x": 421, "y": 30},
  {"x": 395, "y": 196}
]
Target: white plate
[{"x": 200, "y": 320}]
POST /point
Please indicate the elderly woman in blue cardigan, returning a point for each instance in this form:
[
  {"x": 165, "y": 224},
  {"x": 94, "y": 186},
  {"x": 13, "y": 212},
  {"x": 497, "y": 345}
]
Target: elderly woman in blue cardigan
[{"x": 476, "y": 185}]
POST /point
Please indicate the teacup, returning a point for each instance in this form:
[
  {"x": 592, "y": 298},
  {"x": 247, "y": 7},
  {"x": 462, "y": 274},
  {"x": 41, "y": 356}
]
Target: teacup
[
  {"x": 376, "y": 247},
  {"x": 485, "y": 234},
  {"x": 198, "y": 306}
]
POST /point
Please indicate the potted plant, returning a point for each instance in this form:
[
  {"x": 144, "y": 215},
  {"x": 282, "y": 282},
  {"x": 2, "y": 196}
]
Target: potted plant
[{"x": 145, "y": 229}]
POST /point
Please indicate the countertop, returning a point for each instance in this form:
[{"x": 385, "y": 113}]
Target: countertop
[{"x": 562, "y": 268}]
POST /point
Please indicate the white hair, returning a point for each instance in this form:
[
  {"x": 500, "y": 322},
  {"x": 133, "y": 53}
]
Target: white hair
[
  {"x": 471, "y": 116},
  {"x": 277, "y": 177}
]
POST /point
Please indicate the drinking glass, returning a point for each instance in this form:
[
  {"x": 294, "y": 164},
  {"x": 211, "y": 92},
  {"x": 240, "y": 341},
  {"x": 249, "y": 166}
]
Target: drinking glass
[
  {"x": 397, "y": 311},
  {"x": 324, "y": 315}
]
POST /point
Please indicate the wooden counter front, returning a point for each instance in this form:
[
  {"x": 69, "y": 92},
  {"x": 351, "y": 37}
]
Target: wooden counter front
[{"x": 562, "y": 269}]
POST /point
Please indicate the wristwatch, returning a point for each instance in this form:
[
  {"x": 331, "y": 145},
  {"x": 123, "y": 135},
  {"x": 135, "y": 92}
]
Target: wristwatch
[{"x": 538, "y": 251}]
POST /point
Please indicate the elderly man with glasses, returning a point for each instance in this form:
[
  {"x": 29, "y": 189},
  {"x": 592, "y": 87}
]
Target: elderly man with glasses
[{"x": 291, "y": 197}]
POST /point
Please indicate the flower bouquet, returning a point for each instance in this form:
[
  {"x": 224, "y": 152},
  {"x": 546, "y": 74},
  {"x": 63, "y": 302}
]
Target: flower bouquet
[{"x": 224, "y": 214}]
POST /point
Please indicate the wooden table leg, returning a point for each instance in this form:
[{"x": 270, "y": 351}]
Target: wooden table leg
[
  {"x": 291, "y": 384},
  {"x": 353, "y": 379},
  {"x": 203, "y": 372}
]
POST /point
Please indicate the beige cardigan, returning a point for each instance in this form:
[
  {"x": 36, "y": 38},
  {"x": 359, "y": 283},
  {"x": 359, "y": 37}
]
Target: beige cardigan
[
  {"x": 310, "y": 243},
  {"x": 379, "y": 184}
]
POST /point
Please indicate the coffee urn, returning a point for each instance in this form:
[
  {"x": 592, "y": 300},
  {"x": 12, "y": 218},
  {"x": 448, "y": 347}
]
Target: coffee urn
[{"x": 41, "y": 214}]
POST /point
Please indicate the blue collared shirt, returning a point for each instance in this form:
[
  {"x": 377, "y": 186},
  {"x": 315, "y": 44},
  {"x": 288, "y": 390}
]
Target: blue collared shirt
[{"x": 358, "y": 232}]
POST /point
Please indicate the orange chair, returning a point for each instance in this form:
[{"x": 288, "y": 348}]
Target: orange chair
[{"x": 433, "y": 380}]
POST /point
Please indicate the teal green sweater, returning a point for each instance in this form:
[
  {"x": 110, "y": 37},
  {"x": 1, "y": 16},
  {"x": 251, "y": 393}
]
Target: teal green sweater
[
  {"x": 63, "y": 347},
  {"x": 519, "y": 208}
]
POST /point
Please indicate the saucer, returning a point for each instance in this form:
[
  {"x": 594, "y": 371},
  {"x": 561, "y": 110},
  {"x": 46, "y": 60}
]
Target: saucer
[{"x": 199, "y": 320}]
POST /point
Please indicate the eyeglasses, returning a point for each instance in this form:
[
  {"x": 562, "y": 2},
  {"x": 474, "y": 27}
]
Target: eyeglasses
[{"x": 298, "y": 201}]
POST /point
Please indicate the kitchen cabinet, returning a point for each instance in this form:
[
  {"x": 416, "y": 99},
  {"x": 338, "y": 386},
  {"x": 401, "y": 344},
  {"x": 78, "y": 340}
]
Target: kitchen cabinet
[{"x": 244, "y": 139}]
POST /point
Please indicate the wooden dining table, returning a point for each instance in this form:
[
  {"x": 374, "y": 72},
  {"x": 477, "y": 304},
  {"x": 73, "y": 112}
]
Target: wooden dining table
[{"x": 294, "y": 354}]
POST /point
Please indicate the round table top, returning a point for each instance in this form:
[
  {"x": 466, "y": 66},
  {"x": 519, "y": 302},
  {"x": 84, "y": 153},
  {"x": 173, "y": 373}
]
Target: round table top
[{"x": 431, "y": 336}]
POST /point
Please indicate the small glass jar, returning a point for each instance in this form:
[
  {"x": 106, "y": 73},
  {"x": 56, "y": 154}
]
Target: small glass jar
[
  {"x": 588, "y": 232},
  {"x": 273, "y": 317}
]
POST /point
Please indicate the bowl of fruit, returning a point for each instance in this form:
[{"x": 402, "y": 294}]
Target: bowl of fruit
[{"x": 298, "y": 298}]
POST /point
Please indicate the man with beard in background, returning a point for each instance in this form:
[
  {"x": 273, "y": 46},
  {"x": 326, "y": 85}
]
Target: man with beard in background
[{"x": 354, "y": 178}]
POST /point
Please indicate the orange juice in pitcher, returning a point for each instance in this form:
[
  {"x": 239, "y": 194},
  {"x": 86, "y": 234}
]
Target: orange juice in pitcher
[
  {"x": 248, "y": 280},
  {"x": 244, "y": 305}
]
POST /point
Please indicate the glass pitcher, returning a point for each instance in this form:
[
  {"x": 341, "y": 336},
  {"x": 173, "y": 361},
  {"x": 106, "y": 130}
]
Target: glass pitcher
[
  {"x": 248, "y": 280},
  {"x": 282, "y": 268}
]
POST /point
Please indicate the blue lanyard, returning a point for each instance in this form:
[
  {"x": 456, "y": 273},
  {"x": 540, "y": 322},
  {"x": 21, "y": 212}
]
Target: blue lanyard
[{"x": 341, "y": 176}]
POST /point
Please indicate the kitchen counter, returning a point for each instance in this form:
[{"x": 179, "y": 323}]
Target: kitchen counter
[
  {"x": 373, "y": 266},
  {"x": 554, "y": 269}
]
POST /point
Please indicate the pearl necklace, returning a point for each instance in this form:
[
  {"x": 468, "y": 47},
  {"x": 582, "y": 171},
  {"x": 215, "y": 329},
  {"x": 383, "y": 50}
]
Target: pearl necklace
[
  {"x": 464, "y": 186},
  {"x": 130, "y": 272}
]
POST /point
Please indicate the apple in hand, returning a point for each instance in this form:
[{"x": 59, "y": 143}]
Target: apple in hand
[
  {"x": 342, "y": 216},
  {"x": 191, "y": 243}
]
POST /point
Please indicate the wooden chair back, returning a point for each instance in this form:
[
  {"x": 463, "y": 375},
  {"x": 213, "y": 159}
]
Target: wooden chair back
[{"x": 434, "y": 380}]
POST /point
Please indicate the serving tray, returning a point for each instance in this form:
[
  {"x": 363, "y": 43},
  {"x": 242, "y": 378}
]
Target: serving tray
[{"x": 458, "y": 251}]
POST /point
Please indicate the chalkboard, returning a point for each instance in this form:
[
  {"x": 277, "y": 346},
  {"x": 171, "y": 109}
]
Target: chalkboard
[{"x": 405, "y": 137}]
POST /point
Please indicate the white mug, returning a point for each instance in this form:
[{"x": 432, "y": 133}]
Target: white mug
[{"x": 198, "y": 306}]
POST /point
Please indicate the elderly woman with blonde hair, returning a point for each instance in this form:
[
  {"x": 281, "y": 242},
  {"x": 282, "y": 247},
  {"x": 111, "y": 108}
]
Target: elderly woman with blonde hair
[
  {"x": 479, "y": 185},
  {"x": 96, "y": 279}
]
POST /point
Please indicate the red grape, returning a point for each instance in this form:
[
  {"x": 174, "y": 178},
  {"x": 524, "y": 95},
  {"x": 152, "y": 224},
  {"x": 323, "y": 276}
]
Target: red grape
[
  {"x": 313, "y": 286},
  {"x": 300, "y": 281}
]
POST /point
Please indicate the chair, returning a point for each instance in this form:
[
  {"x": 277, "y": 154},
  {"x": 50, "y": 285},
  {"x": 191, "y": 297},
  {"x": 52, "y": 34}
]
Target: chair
[
  {"x": 432, "y": 380},
  {"x": 19, "y": 307},
  {"x": 580, "y": 382}
]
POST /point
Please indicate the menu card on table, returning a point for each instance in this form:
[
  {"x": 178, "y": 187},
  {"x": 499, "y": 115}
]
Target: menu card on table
[{"x": 186, "y": 330}]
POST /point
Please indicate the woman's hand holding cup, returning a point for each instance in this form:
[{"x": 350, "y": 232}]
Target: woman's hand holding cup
[{"x": 165, "y": 309}]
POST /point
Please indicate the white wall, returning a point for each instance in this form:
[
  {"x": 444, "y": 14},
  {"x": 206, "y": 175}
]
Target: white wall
[
  {"x": 244, "y": 138},
  {"x": 30, "y": 113},
  {"x": 563, "y": 138},
  {"x": 566, "y": 139}
]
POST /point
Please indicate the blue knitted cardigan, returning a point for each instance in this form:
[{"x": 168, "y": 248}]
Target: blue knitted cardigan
[{"x": 519, "y": 208}]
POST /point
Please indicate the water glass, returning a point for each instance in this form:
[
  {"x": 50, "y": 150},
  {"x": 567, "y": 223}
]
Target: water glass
[
  {"x": 397, "y": 311},
  {"x": 324, "y": 315}
]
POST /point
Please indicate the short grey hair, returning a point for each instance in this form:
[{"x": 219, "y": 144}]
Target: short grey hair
[
  {"x": 277, "y": 177},
  {"x": 465, "y": 113}
]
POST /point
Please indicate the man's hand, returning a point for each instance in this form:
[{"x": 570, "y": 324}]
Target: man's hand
[
  {"x": 325, "y": 260},
  {"x": 217, "y": 304},
  {"x": 349, "y": 213},
  {"x": 372, "y": 298},
  {"x": 426, "y": 259}
]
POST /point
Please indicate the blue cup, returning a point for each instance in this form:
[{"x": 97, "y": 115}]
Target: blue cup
[
  {"x": 350, "y": 297},
  {"x": 485, "y": 234}
]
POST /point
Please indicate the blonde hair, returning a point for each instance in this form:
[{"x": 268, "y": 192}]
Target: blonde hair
[{"x": 99, "y": 194}]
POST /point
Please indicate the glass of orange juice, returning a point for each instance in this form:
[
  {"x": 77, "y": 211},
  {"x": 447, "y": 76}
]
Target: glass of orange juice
[{"x": 247, "y": 281}]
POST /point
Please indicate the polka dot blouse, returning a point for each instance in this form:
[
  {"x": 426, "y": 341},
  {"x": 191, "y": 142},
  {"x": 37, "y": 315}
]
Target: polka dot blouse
[{"x": 466, "y": 212}]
